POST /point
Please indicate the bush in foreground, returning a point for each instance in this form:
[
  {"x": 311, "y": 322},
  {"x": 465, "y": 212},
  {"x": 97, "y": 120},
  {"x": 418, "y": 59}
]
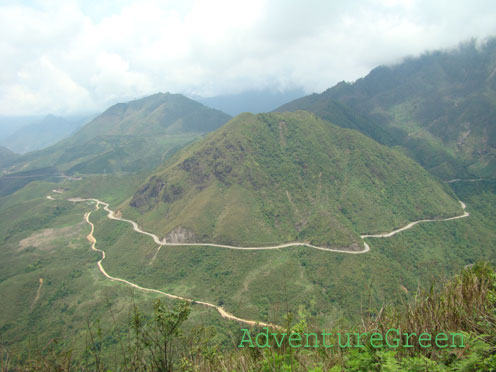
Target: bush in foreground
[{"x": 466, "y": 304}]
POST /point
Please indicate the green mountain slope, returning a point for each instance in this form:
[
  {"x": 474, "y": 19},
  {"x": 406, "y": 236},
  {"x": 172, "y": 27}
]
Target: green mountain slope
[
  {"x": 343, "y": 116},
  {"x": 129, "y": 137},
  {"x": 284, "y": 177},
  {"x": 159, "y": 114},
  {"x": 440, "y": 108}
]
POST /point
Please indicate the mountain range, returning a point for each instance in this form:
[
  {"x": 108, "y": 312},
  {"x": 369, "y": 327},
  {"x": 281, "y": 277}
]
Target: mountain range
[
  {"x": 368, "y": 157},
  {"x": 42, "y": 133},
  {"x": 129, "y": 136},
  {"x": 439, "y": 108},
  {"x": 6, "y": 156}
]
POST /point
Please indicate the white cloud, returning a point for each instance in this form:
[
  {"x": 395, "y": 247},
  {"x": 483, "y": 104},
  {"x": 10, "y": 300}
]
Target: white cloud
[{"x": 74, "y": 55}]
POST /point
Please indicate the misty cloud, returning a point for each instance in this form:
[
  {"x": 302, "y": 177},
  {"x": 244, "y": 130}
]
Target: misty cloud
[{"x": 67, "y": 56}]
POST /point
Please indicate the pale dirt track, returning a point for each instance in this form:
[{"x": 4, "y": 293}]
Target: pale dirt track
[
  {"x": 468, "y": 180},
  {"x": 411, "y": 224},
  {"x": 219, "y": 309},
  {"x": 366, "y": 248},
  {"x": 37, "y": 293},
  {"x": 111, "y": 215}
]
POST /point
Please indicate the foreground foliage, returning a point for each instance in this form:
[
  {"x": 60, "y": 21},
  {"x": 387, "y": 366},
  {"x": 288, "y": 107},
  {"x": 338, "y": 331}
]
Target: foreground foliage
[{"x": 466, "y": 303}]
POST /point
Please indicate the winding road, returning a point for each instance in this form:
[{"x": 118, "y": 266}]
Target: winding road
[
  {"x": 468, "y": 180},
  {"x": 411, "y": 224},
  {"x": 219, "y": 309},
  {"x": 223, "y": 313},
  {"x": 38, "y": 292}
]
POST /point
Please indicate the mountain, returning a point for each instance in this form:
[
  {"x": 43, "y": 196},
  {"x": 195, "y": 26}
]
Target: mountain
[
  {"x": 10, "y": 124},
  {"x": 440, "y": 108},
  {"x": 42, "y": 133},
  {"x": 285, "y": 177},
  {"x": 343, "y": 116},
  {"x": 159, "y": 114},
  {"x": 129, "y": 136},
  {"x": 254, "y": 101}
]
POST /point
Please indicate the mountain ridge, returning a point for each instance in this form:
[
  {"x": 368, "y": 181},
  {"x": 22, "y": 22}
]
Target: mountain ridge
[
  {"x": 439, "y": 108},
  {"x": 262, "y": 179},
  {"x": 165, "y": 113},
  {"x": 129, "y": 136}
]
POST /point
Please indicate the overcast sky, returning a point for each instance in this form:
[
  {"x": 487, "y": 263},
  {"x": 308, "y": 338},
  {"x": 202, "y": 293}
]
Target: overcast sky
[{"x": 73, "y": 56}]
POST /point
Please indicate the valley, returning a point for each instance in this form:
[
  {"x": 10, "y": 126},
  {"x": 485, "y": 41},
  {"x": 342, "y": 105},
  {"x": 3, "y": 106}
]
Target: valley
[
  {"x": 316, "y": 215},
  {"x": 222, "y": 312},
  {"x": 316, "y": 286}
]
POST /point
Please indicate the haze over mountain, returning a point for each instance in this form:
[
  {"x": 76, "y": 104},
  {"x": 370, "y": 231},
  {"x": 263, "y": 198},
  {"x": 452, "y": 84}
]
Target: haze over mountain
[
  {"x": 42, "y": 133},
  {"x": 128, "y": 137},
  {"x": 440, "y": 108},
  {"x": 10, "y": 124},
  {"x": 254, "y": 101},
  {"x": 284, "y": 177}
]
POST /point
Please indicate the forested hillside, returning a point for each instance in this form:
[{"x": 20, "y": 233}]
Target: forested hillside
[{"x": 440, "y": 108}]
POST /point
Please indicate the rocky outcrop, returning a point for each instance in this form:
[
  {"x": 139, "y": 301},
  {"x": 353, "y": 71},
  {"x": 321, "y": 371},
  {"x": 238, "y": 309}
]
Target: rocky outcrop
[{"x": 180, "y": 234}]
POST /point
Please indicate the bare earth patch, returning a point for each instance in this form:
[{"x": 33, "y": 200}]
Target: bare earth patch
[{"x": 45, "y": 239}]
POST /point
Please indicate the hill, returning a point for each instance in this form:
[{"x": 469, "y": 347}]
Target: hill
[
  {"x": 284, "y": 177},
  {"x": 128, "y": 137},
  {"x": 439, "y": 108},
  {"x": 159, "y": 114}
]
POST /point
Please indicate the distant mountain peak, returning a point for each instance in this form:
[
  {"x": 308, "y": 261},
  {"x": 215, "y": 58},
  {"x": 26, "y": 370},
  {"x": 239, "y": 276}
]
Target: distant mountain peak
[{"x": 131, "y": 136}]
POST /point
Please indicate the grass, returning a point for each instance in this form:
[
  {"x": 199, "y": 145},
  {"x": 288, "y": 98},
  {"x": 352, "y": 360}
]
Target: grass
[
  {"x": 465, "y": 304},
  {"x": 299, "y": 275},
  {"x": 330, "y": 287},
  {"x": 74, "y": 293},
  {"x": 287, "y": 177},
  {"x": 438, "y": 108}
]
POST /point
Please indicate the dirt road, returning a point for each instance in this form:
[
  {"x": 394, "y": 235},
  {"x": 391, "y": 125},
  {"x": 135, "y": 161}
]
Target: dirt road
[{"x": 220, "y": 310}]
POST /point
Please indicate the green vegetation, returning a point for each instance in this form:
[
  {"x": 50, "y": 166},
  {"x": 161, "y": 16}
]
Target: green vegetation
[
  {"x": 465, "y": 305},
  {"x": 438, "y": 108},
  {"x": 159, "y": 114},
  {"x": 259, "y": 180},
  {"x": 46, "y": 239},
  {"x": 42, "y": 238},
  {"x": 341, "y": 115},
  {"x": 10, "y": 183},
  {"x": 275, "y": 178},
  {"x": 128, "y": 137},
  {"x": 263, "y": 284}
]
